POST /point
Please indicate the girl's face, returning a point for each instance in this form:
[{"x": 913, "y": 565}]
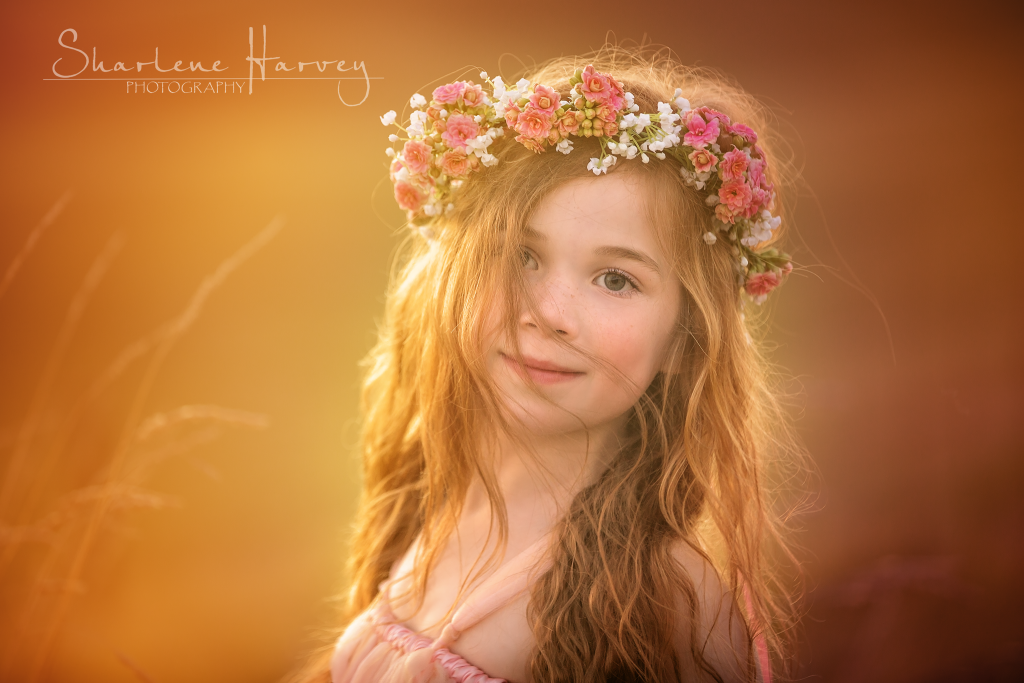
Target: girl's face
[{"x": 601, "y": 282}]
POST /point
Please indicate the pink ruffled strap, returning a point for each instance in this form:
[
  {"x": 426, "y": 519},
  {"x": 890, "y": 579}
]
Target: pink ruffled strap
[{"x": 760, "y": 644}]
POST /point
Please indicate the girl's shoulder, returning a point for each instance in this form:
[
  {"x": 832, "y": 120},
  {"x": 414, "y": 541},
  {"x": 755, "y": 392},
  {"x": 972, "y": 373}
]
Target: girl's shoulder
[{"x": 717, "y": 628}]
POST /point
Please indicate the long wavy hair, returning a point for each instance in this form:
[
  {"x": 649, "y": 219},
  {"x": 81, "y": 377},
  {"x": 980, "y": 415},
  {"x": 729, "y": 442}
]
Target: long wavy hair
[{"x": 709, "y": 448}]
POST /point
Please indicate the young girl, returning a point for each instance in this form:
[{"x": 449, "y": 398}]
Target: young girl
[{"x": 568, "y": 426}]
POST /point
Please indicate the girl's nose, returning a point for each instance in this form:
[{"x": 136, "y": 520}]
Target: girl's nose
[{"x": 556, "y": 307}]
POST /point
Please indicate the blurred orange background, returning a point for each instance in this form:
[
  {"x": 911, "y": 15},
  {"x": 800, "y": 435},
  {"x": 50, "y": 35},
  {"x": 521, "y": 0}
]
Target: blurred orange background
[{"x": 903, "y": 335}]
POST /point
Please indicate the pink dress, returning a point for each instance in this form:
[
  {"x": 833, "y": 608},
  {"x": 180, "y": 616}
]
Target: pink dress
[{"x": 375, "y": 648}]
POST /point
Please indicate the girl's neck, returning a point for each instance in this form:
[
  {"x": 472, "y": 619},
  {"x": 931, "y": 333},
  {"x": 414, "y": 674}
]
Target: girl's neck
[{"x": 538, "y": 475}]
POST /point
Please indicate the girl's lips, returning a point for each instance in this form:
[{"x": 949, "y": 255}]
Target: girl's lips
[{"x": 540, "y": 371}]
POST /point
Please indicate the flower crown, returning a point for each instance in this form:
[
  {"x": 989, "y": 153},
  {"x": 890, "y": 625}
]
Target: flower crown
[{"x": 449, "y": 138}]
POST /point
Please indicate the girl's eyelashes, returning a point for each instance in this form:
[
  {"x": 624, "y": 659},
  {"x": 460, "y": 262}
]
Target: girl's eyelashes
[{"x": 618, "y": 282}]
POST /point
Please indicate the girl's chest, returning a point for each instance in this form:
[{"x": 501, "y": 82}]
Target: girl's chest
[{"x": 494, "y": 633}]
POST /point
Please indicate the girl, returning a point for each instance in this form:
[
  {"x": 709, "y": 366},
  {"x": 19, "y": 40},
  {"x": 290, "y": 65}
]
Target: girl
[{"x": 568, "y": 427}]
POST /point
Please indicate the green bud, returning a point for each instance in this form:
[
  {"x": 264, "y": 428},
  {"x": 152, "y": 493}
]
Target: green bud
[{"x": 590, "y": 113}]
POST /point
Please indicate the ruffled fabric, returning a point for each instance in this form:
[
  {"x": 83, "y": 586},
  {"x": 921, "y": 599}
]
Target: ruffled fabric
[{"x": 375, "y": 648}]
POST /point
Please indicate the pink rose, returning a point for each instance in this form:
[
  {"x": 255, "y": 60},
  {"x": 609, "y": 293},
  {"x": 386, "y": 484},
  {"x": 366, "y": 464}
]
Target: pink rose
[
  {"x": 745, "y": 132},
  {"x": 700, "y": 134},
  {"x": 606, "y": 113},
  {"x": 545, "y": 99},
  {"x": 459, "y": 129},
  {"x": 417, "y": 156},
  {"x": 611, "y": 129},
  {"x": 703, "y": 160},
  {"x": 472, "y": 95},
  {"x": 710, "y": 114},
  {"x": 724, "y": 213},
  {"x": 758, "y": 198},
  {"x": 755, "y": 171},
  {"x": 533, "y": 123},
  {"x": 512, "y": 113},
  {"x": 449, "y": 94},
  {"x": 455, "y": 164},
  {"x": 568, "y": 124},
  {"x": 530, "y": 143},
  {"x": 734, "y": 164},
  {"x": 408, "y": 196},
  {"x": 760, "y": 285},
  {"x": 735, "y": 194},
  {"x": 601, "y": 88}
]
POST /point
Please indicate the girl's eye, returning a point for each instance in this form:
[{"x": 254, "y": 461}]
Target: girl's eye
[
  {"x": 616, "y": 281},
  {"x": 529, "y": 263}
]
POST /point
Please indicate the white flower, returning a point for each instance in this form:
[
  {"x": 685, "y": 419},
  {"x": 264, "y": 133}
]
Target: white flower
[
  {"x": 448, "y": 209},
  {"x": 665, "y": 109},
  {"x": 457, "y": 183},
  {"x": 479, "y": 144},
  {"x": 499, "y": 87},
  {"x": 678, "y": 92},
  {"x": 629, "y": 100},
  {"x": 478, "y": 118},
  {"x": 393, "y": 138},
  {"x": 710, "y": 238},
  {"x": 522, "y": 84},
  {"x": 743, "y": 261},
  {"x": 499, "y": 110},
  {"x": 660, "y": 155},
  {"x": 418, "y": 101},
  {"x": 431, "y": 209},
  {"x": 402, "y": 175},
  {"x": 644, "y": 158},
  {"x": 483, "y": 75},
  {"x": 712, "y": 200},
  {"x": 565, "y": 146},
  {"x": 388, "y": 118},
  {"x": 416, "y": 121},
  {"x": 594, "y": 165},
  {"x": 608, "y": 161},
  {"x": 489, "y": 160},
  {"x": 749, "y": 241},
  {"x": 628, "y": 121},
  {"x": 390, "y": 152},
  {"x": 642, "y": 122},
  {"x": 426, "y": 231},
  {"x": 682, "y": 104}
]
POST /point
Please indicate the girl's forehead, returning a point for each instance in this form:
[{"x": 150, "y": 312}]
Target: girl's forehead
[{"x": 605, "y": 209}]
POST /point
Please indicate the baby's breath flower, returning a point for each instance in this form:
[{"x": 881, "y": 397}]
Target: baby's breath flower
[
  {"x": 388, "y": 118},
  {"x": 417, "y": 101}
]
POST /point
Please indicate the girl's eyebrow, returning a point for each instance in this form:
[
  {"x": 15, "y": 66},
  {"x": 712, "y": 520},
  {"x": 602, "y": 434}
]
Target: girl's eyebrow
[{"x": 631, "y": 254}]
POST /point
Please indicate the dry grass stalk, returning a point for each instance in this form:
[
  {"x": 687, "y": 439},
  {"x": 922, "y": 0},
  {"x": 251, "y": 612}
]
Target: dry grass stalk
[{"x": 119, "y": 485}]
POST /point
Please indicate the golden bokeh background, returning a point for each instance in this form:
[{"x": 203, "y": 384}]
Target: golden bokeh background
[{"x": 902, "y": 332}]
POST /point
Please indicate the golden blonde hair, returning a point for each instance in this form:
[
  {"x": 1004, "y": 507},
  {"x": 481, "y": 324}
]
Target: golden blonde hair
[{"x": 705, "y": 436}]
